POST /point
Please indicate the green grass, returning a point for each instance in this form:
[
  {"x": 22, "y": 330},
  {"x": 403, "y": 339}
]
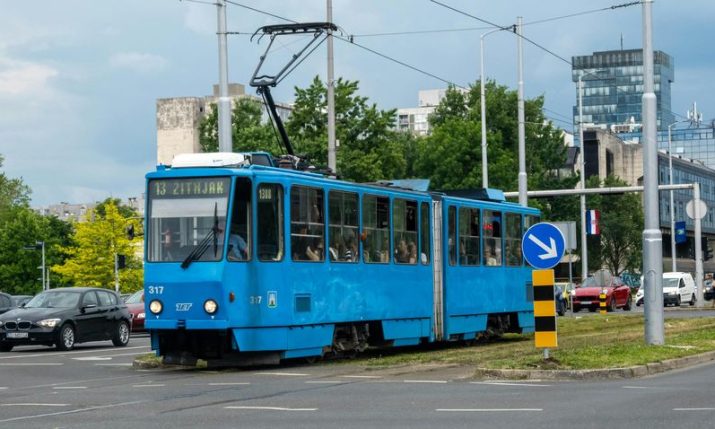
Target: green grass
[{"x": 585, "y": 343}]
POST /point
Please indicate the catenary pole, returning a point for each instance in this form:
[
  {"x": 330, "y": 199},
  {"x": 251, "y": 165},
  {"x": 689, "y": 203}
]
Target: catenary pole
[
  {"x": 224, "y": 102},
  {"x": 584, "y": 243},
  {"x": 522, "y": 132},
  {"x": 332, "y": 158},
  {"x": 483, "y": 107},
  {"x": 652, "y": 237}
]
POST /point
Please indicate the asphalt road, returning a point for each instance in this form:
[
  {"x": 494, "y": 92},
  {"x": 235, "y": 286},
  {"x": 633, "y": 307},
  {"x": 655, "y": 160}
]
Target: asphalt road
[{"x": 95, "y": 386}]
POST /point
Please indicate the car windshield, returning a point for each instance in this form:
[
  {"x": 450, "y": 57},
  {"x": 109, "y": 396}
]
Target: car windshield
[
  {"x": 186, "y": 214},
  {"x": 64, "y": 299},
  {"x": 670, "y": 282},
  {"x": 136, "y": 298}
]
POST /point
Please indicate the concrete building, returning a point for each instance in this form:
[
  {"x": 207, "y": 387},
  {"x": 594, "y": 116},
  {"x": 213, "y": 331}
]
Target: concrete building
[
  {"x": 178, "y": 120},
  {"x": 416, "y": 119},
  {"x": 77, "y": 212},
  {"x": 613, "y": 87}
]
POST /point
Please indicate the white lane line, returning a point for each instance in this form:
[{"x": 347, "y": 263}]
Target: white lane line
[
  {"x": 694, "y": 409},
  {"x": 488, "y": 410},
  {"x": 426, "y": 381},
  {"x": 499, "y": 383},
  {"x": 28, "y": 404},
  {"x": 269, "y": 408},
  {"x": 362, "y": 376},
  {"x": 32, "y": 364},
  {"x": 80, "y": 410},
  {"x": 635, "y": 387},
  {"x": 68, "y": 387},
  {"x": 325, "y": 382},
  {"x": 148, "y": 385},
  {"x": 3, "y": 388},
  {"x": 91, "y": 358},
  {"x": 286, "y": 374},
  {"x": 112, "y": 364},
  {"x": 73, "y": 352},
  {"x": 242, "y": 383}
]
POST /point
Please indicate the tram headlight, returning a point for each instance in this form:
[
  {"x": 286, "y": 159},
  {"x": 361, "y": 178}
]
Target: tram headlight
[
  {"x": 156, "y": 306},
  {"x": 210, "y": 306}
]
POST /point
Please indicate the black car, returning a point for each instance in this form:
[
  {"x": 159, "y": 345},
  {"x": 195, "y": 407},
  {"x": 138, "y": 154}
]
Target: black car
[
  {"x": 6, "y": 303},
  {"x": 64, "y": 317},
  {"x": 20, "y": 300}
]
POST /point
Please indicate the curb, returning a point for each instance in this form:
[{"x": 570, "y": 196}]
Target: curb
[{"x": 597, "y": 374}]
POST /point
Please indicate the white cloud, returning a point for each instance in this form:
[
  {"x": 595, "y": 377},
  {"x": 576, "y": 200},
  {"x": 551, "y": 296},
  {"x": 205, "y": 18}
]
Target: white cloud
[
  {"x": 138, "y": 62},
  {"x": 24, "y": 78}
]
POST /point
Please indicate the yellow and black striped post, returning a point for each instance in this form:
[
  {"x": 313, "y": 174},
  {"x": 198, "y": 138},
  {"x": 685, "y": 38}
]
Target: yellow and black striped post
[
  {"x": 602, "y": 302},
  {"x": 544, "y": 309}
]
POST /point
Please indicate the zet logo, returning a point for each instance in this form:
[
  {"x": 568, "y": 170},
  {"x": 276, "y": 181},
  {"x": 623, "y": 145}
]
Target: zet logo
[{"x": 183, "y": 306}]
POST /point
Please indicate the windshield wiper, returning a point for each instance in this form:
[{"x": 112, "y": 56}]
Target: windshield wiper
[{"x": 201, "y": 248}]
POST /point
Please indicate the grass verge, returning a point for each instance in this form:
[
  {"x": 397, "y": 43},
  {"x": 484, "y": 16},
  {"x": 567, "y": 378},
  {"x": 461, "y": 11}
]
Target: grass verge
[{"x": 584, "y": 343}]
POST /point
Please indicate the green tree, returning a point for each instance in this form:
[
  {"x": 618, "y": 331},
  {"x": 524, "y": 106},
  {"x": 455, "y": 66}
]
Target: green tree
[
  {"x": 619, "y": 247},
  {"x": 370, "y": 149},
  {"x": 248, "y": 132},
  {"x": 13, "y": 193},
  {"x": 90, "y": 257}
]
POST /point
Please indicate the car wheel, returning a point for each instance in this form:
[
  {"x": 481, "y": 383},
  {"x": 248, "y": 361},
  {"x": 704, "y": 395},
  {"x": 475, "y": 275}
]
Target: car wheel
[
  {"x": 591, "y": 309},
  {"x": 629, "y": 304},
  {"x": 66, "y": 337},
  {"x": 561, "y": 308},
  {"x": 678, "y": 302},
  {"x": 576, "y": 309},
  {"x": 120, "y": 338},
  {"x": 5, "y": 347},
  {"x": 612, "y": 306},
  {"x": 692, "y": 300}
]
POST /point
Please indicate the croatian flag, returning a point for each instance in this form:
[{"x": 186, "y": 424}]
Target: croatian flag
[{"x": 592, "y": 218}]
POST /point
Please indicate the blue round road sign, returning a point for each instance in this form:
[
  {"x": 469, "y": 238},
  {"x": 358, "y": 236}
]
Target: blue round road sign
[{"x": 543, "y": 245}]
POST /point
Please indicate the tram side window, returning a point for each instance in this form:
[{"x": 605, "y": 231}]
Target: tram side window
[
  {"x": 270, "y": 222},
  {"x": 512, "y": 241},
  {"x": 404, "y": 231},
  {"x": 376, "y": 226},
  {"x": 239, "y": 239},
  {"x": 452, "y": 234},
  {"x": 424, "y": 233},
  {"x": 343, "y": 226},
  {"x": 491, "y": 222},
  {"x": 307, "y": 236},
  {"x": 468, "y": 236}
]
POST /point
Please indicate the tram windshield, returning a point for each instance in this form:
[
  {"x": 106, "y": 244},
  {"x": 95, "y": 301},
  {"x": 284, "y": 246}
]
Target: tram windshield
[{"x": 187, "y": 219}]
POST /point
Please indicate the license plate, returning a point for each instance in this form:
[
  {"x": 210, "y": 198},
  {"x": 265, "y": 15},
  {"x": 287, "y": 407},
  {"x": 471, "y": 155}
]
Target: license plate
[
  {"x": 17, "y": 334},
  {"x": 585, "y": 302}
]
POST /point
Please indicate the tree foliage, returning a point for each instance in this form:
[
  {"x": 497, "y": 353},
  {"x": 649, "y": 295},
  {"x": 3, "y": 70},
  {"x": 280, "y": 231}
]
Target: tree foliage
[
  {"x": 248, "y": 132},
  {"x": 90, "y": 256}
]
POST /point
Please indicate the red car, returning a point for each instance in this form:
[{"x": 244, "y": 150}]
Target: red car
[
  {"x": 618, "y": 294},
  {"x": 135, "y": 305}
]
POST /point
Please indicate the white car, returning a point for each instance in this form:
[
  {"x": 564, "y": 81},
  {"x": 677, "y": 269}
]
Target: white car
[
  {"x": 639, "y": 296},
  {"x": 678, "y": 288}
]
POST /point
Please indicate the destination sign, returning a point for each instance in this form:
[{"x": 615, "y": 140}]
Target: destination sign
[{"x": 200, "y": 187}]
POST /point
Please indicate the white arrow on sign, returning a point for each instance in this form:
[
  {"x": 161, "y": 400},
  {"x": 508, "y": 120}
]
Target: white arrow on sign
[{"x": 550, "y": 251}]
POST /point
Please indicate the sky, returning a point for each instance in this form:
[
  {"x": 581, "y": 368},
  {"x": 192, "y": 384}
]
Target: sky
[{"x": 79, "y": 79}]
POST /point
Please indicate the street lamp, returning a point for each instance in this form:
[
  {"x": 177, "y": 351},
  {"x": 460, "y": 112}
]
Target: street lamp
[
  {"x": 40, "y": 245},
  {"x": 584, "y": 247},
  {"x": 485, "y": 173},
  {"x": 672, "y": 210}
]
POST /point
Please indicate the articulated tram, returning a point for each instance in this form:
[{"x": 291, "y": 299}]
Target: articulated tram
[{"x": 248, "y": 262}]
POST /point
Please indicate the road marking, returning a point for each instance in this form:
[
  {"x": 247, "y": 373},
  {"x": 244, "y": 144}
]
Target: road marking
[
  {"x": 488, "y": 410},
  {"x": 324, "y": 382},
  {"x": 242, "y": 383},
  {"x": 112, "y": 364},
  {"x": 362, "y": 376},
  {"x": 80, "y": 410},
  {"x": 269, "y": 408},
  {"x": 499, "y": 383},
  {"x": 3, "y": 388},
  {"x": 693, "y": 409},
  {"x": 91, "y": 358},
  {"x": 635, "y": 387},
  {"x": 426, "y": 381},
  {"x": 32, "y": 364},
  {"x": 286, "y": 374},
  {"x": 73, "y": 352},
  {"x": 148, "y": 385},
  {"x": 68, "y": 387},
  {"x": 27, "y": 404}
]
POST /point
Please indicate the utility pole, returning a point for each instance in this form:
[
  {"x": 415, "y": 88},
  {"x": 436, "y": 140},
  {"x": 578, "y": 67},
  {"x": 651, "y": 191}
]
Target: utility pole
[
  {"x": 522, "y": 132},
  {"x": 224, "y": 102},
  {"x": 652, "y": 237},
  {"x": 584, "y": 241},
  {"x": 44, "y": 266},
  {"x": 332, "y": 159},
  {"x": 483, "y": 104}
]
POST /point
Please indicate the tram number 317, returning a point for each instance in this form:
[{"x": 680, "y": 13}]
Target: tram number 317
[
  {"x": 156, "y": 290},
  {"x": 255, "y": 299}
]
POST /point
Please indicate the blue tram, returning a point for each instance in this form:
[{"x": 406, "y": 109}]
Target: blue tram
[{"x": 249, "y": 262}]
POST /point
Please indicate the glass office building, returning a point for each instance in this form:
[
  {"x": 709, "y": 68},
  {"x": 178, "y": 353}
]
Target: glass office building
[
  {"x": 613, "y": 87},
  {"x": 697, "y": 144}
]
